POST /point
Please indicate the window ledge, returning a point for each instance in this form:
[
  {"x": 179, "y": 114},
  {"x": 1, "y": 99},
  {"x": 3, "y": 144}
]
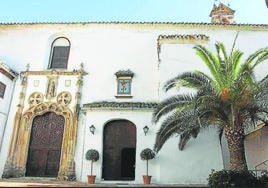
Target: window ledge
[{"x": 123, "y": 96}]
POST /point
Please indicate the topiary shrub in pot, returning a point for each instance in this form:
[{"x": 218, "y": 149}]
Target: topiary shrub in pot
[
  {"x": 93, "y": 156},
  {"x": 147, "y": 154}
]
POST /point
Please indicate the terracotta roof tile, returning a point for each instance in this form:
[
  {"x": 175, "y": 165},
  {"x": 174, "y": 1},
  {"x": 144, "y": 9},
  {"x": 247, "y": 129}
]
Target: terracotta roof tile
[{"x": 132, "y": 23}]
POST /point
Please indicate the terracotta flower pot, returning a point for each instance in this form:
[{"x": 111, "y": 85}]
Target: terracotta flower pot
[
  {"x": 91, "y": 179},
  {"x": 146, "y": 179}
]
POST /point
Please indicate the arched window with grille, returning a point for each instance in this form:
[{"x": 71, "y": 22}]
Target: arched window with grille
[{"x": 59, "y": 54}]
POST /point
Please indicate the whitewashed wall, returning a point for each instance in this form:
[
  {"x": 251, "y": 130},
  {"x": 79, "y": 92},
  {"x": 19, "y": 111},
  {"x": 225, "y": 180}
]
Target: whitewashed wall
[
  {"x": 106, "y": 48},
  {"x": 256, "y": 142},
  {"x": 9, "y": 127},
  {"x": 5, "y": 104},
  {"x": 99, "y": 119},
  {"x": 194, "y": 163},
  {"x": 178, "y": 58}
]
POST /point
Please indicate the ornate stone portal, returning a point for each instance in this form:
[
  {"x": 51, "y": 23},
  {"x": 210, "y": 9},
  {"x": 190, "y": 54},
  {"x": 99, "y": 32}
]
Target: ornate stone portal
[{"x": 18, "y": 152}]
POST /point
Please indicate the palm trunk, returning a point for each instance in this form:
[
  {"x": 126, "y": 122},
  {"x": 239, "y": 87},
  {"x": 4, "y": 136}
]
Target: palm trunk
[{"x": 235, "y": 139}]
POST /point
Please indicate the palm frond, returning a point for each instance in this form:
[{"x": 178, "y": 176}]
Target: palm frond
[
  {"x": 187, "y": 135},
  {"x": 235, "y": 58},
  {"x": 188, "y": 79},
  {"x": 256, "y": 58},
  {"x": 176, "y": 123},
  {"x": 233, "y": 46},
  {"x": 262, "y": 57},
  {"x": 168, "y": 105},
  {"x": 230, "y": 97},
  {"x": 209, "y": 59}
]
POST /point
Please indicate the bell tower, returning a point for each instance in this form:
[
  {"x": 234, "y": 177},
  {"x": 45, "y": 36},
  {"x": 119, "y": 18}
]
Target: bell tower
[{"x": 222, "y": 14}]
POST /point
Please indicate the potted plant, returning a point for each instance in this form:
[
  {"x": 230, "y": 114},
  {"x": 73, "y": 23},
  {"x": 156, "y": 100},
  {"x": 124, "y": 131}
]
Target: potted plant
[
  {"x": 147, "y": 154},
  {"x": 93, "y": 156}
]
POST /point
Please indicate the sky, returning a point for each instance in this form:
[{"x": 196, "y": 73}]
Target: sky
[{"x": 197, "y": 11}]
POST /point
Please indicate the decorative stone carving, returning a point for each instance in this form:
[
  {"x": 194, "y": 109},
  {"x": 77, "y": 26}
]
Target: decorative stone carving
[
  {"x": 16, "y": 163},
  {"x": 122, "y": 73},
  {"x": 64, "y": 98},
  {"x": 18, "y": 151},
  {"x": 35, "y": 98},
  {"x": 51, "y": 87}
]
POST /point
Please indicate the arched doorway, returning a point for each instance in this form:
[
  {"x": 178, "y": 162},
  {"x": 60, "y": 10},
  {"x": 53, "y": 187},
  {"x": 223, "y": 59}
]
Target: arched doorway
[
  {"x": 119, "y": 150},
  {"x": 44, "y": 151}
]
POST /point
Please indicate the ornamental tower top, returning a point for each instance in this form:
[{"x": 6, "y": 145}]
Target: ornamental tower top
[{"x": 222, "y": 14}]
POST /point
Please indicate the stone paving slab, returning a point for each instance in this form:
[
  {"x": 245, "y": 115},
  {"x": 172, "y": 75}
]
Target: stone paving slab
[
  {"x": 39, "y": 182},
  {"x": 52, "y": 182}
]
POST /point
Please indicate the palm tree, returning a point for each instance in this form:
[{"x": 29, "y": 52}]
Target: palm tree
[{"x": 230, "y": 99}]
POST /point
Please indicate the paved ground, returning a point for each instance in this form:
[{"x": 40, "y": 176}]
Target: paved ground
[{"x": 52, "y": 182}]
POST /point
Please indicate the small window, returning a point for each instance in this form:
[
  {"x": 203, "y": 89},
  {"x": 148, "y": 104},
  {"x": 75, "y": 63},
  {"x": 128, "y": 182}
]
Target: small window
[
  {"x": 2, "y": 90},
  {"x": 59, "y": 53},
  {"x": 124, "y": 80}
]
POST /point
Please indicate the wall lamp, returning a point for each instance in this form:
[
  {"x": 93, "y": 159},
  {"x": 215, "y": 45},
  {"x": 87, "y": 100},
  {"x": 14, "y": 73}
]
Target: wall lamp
[
  {"x": 145, "y": 129},
  {"x": 92, "y": 129}
]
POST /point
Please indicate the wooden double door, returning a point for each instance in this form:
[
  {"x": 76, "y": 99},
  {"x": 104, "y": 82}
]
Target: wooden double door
[
  {"x": 119, "y": 150},
  {"x": 45, "y": 145}
]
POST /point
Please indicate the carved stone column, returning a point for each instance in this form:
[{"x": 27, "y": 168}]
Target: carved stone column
[
  {"x": 11, "y": 170},
  {"x": 68, "y": 167}
]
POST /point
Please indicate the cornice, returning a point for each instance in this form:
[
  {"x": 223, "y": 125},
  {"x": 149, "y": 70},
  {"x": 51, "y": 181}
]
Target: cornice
[
  {"x": 146, "y": 25},
  {"x": 177, "y": 39},
  {"x": 53, "y": 72},
  {"x": 254, "y": 129},
  {"x": 119, "y": 106},
  {"x": 4, "y": 69},
  {"x": 182, "y": 38},
  {"x": 124, "y": 73}
]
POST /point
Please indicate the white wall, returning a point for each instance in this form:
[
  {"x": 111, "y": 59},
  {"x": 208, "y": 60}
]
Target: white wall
[
  {"x": 9, "y": 126},
  {"x": 3, "y": 118},
  {"x": 256, "y": 142},
  {"x": 5, "y": 104},
  {"x": 193, "y": 164},
  {"x": 107, "y": 48},
  {"x": 99, "y": 119},
  {"x": 181, "y": 57}
]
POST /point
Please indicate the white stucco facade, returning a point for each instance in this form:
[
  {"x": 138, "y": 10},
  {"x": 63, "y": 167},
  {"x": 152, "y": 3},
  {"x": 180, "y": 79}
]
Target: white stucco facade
[
  {"x": 154, "y": 52},
  {"x": 7, "y": 79}
]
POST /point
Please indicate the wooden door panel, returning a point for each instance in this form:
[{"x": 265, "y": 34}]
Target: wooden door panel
[
  {"x": 52, "y": 163},
  {"x": 45, "y": 145},
  {"x": 56, "y": 131},
  {"x": 119, "y": 135},
  {"x": 128, "y": 163},
  {"x": 35, "y": 163}
]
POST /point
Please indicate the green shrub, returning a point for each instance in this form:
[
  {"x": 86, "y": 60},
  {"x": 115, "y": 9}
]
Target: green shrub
[
  {"x": 147, "y": 154},
  {"x": 230, "y": 178},
  {"x": 92, "y": 155},
  {"x": 264, "y": 179}
]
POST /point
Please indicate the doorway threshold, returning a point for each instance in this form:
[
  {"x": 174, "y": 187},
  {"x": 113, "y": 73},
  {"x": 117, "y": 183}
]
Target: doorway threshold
[{"x": 118, "y": 182}]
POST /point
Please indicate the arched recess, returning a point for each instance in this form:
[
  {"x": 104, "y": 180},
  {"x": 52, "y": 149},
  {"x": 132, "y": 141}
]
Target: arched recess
[
  {"x": 66, "y": 166},
  {"x": 119, "y": 150},
  {"x": 45, "y": 145},
  {"x": 59, "y": 54}
]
